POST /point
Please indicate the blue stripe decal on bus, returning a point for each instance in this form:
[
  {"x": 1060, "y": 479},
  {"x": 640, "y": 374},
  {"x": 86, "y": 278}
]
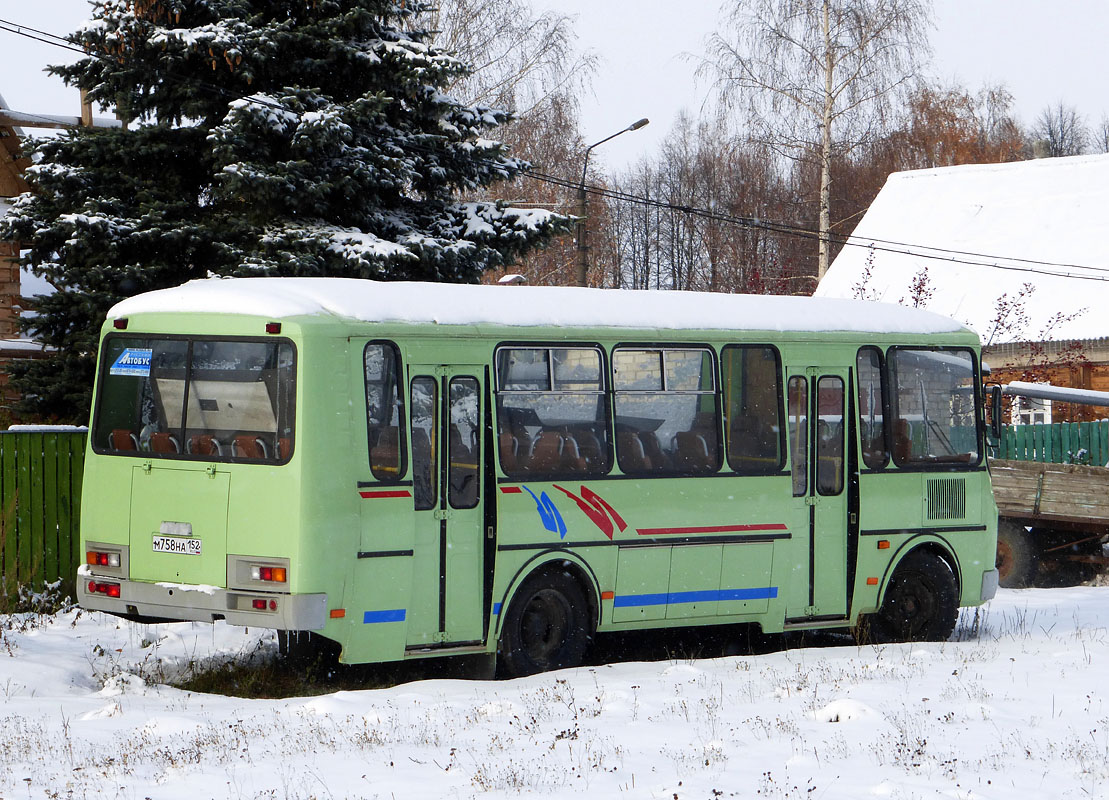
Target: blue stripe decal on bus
[
  {"x": 389, "y": 615},
  {"x": 708, "y": 595}
]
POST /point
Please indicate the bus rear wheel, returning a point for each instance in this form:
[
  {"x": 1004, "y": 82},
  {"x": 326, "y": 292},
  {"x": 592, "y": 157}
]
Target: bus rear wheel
[
  {"x": 547, "y": 626},
  {"x": 1016, "y": 555},
  {"x": 921, "y": 603}
]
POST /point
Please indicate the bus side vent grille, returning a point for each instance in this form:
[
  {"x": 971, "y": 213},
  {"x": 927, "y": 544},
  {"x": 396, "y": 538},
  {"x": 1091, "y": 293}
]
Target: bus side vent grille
[{"x": 947, "y": 498}]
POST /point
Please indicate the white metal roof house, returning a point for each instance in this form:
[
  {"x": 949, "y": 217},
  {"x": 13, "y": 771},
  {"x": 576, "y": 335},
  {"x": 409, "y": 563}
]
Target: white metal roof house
[{"x": 1034, "y": 232}]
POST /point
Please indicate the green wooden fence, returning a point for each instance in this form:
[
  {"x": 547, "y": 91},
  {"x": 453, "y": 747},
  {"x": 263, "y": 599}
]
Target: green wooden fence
[
  {"x": 1059, "y": 443},
  {"x": 40, "y": 491}
]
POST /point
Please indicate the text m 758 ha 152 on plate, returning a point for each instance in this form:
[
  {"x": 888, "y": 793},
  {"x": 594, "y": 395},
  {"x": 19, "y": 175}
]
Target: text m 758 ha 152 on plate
[{"x": 177, "y": 544}]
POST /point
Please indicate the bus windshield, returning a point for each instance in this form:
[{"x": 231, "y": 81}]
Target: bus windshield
[
  {"x": 212, "y": 399},
  {"x": 934, "y": 405}
]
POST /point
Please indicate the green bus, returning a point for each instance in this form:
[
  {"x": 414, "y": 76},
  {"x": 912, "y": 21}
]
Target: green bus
[{"x": 416, "y": 469}]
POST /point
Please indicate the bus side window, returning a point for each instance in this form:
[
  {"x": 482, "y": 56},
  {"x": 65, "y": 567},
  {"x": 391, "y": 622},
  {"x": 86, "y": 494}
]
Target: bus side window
[
  {"x": 667, "y": 414},
  {"x": 552, "y": 412},
  {"x": 872, "y": 428},
  {"x": 425, "y": 403},
  {"x": 798, "y": 405},
  {"x": 752, "y": 408},
  {"x": 384, "y": 411},
  {"x": 829, "y": 435}
]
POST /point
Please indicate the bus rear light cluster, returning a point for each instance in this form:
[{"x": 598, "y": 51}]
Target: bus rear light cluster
[
  {"x": 258, "y": 604},
  {"x": 109, "y": 589},
  {"x": 268, "y": 574},
  {"x": 99, "y": 559}
]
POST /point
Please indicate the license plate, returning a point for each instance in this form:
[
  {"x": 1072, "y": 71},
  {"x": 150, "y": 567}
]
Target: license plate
[{"x": 177, "y": 544}]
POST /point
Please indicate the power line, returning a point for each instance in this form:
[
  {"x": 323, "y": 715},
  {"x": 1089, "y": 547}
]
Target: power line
[
  {"x": 964, "y": 257},
  {"x": 879, "y": 245}
]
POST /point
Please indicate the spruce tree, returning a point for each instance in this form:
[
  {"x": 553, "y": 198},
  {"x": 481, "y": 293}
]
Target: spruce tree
[{"x": 265, "y": 137}]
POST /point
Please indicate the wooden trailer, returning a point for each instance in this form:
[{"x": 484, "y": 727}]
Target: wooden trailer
[{"x": 1053, "y": 520}]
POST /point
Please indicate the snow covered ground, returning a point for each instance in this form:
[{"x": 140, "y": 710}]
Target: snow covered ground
[{"x": 1012, "y": 707}]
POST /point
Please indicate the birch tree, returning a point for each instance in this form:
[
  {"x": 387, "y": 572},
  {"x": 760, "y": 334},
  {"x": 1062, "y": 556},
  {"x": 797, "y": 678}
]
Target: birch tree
[
  {"x": 817, "y": 76},
  {"x": 518, "y": 59}
]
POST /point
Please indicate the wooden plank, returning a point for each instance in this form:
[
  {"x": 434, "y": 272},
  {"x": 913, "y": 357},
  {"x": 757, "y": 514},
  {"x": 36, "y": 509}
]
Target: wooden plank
[
  {"x": 51, "y": 566},
  {"x": 36, "y": 556},
  {"x": 9, "y": 511},
  {"x": 24, "y": 512},
  {"x": 76, "y": 474}
]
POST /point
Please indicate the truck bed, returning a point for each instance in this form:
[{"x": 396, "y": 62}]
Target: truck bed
[{"x": 1051, "y": 495}]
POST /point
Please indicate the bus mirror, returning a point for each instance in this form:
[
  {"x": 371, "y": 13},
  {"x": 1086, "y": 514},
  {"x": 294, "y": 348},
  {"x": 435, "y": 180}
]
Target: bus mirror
[{"x": 995, "y": 411}]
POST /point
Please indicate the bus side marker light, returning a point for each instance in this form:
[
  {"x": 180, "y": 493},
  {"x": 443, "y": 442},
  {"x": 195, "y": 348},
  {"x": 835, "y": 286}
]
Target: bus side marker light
[
  {"x": 608, "y": 595},
  {"x": 120, "y": 324},
  {"x": 338, "y": 613},
  {"x": 883, "y": 544},
  {"x": 273, "y": 327},
  {"x": 871, "y": 581}
]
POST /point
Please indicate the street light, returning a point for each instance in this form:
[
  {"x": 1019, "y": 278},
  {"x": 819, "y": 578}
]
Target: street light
[{"x": 583, "y": 248}]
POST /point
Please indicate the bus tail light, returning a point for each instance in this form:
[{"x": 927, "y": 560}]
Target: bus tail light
[
  {"x": 268, "y": 574},
  {"x": 260, "y": 604},
  {"x": 102, "y": 559},
  {"x": 108, "y": 589}
]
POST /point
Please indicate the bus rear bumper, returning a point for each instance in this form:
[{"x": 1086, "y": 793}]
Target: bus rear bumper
[{"x": 184, "y": 602}]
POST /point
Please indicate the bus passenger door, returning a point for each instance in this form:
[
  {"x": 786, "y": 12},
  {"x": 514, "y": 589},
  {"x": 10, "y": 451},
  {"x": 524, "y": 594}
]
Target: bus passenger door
[
  {"x": 816, "y": 405},
  {"x": 446, "y": 595}
]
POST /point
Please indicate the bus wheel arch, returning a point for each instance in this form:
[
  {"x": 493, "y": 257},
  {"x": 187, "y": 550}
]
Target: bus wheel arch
[
  {"x": 920, "y": 601},
  {"x": 549, "y": 619}
]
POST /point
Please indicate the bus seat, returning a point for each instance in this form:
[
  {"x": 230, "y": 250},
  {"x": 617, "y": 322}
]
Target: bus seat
[
  {"x": 284, "y": 447},
  {"x": 509, "y": 448},
  {"x": 123, "y": 439},
  {"x": 423, "y": 469},
  {"x": 164, "y": 443},
  {"x": 902, "y": 441},
  {"x": 656, "y": 459},
  {"x": 204, "y": 444},
  {"x": 460, "y": 451},
  {"x": 572, "y": 458},
  {"x": 633, "y": 458},
  {"x": 589, "y": 446},
  {"x": 546, "y": 453},
  {"x": 248, "y": 447},
  {"x": 463, "y": 470},
  {"x": 385, "y": 452},
  {"x": 691, "y": 453}
]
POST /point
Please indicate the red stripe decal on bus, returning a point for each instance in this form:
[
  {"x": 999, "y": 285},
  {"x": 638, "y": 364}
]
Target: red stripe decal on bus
[
  {"x": 390, "y": 493},
  {"x": 511, "y": 490},
  {"x": 712, "y": 529}
]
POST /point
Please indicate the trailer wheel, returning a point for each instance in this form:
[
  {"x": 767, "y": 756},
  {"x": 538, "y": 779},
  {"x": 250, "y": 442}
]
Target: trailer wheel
[
  {"x": 547, "y": 626},
  {"x": 1016, "y": 555},
  {"x": 921, "y": 603}
]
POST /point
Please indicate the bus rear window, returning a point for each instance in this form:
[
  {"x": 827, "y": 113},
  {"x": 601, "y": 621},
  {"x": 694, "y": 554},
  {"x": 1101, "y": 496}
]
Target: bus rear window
[{"x": 215, "y": 399}]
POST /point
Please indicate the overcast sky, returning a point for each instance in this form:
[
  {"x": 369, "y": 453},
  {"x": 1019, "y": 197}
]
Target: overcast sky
[{"x": 1043, "y": 51}]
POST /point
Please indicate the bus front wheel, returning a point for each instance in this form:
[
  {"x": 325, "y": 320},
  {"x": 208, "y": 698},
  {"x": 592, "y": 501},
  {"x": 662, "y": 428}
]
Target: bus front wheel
[
  {"x": 547, "y": 626},
  {"x": 921, "y": 603}
]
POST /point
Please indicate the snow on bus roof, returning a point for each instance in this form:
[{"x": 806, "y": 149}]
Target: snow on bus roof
[{"x": 463, "y": 304}]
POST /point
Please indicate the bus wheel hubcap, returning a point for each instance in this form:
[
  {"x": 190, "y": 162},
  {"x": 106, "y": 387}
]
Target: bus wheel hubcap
[{"x": 544, "y": 626}]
